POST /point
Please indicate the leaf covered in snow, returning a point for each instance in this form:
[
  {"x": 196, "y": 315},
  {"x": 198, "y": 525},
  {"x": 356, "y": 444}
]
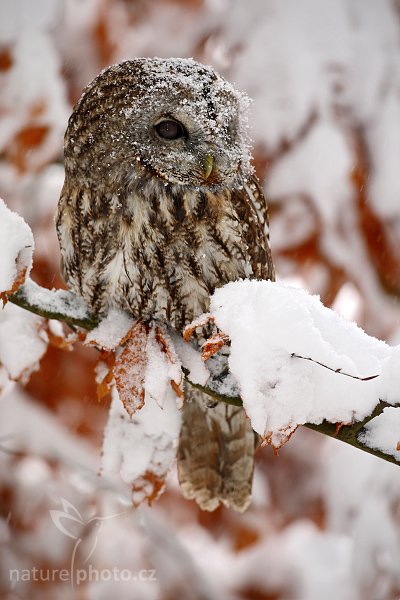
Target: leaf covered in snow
[
  {"x": 112, "y": 331},
  {"x": 213, "y": 344},
  {"x": 16, "y": 249},
  {"x": 201, "y": 321},
  {"x": 135, "y": 360},
  {"x": 144, "y": 376},
  {"x": 23, "y": 342},
  {"x": 141, "y": 449}
]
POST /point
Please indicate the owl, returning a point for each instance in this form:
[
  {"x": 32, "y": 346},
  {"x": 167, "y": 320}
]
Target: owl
[{"x": 160, "y": 206}]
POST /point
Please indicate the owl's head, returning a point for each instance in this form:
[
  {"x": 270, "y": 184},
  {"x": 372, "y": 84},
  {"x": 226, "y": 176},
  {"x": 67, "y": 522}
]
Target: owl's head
[{"x": 172, "y": 118}]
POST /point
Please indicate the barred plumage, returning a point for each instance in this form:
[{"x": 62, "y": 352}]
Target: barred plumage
[{"x": 153, "y": 223}]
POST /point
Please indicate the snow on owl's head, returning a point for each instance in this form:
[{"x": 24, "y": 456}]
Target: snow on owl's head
[{"x": 173, "y": 118}]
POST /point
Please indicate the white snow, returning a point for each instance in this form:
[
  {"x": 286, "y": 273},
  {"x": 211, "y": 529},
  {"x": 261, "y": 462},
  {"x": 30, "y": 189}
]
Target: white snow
[
  {"x": 16, "y": 247},
  {"x": 348, "y": 302},
  {"x": 161, "y": 369},
  {"x": 360, "y": 492},
  {"x": 111, "y": 330},
  {"x": 22, "y": 14},
  {"x": 142, "y": 448},
  {"x": 191, "y": 360},
  {"x": 33, "y": 93},
  {"x": 55, "y": 301},
  {"x": 383, "y": 432},
  {"x": 267, "y": 324},
  {"x": 22, "y": 342},
  {"x": 324, "y": 177}
]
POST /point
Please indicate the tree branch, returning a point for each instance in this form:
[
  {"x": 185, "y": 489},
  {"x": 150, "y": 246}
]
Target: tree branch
[
  {"x": 342, "y": 432},
  {"x": 54, "y": 304},
  {"x": 67, "y": 307}
]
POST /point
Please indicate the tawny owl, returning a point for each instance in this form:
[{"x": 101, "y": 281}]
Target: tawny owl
[{"x": 159, "y": 207}]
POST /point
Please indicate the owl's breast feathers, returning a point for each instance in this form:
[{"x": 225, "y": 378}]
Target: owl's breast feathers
[{"x": 159, "y": 251}]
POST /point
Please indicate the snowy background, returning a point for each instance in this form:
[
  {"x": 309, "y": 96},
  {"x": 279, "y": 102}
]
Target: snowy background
[{"x": 325, "y": 80}]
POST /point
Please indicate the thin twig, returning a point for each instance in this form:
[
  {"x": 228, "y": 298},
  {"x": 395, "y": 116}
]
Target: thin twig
[{"x": 339, "y": 371}]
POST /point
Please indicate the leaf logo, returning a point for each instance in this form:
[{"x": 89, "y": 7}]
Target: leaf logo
[{"x": 69, "y": 514}]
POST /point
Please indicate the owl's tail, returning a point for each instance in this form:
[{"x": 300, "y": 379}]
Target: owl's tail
[{"x": 216, "y": 454}]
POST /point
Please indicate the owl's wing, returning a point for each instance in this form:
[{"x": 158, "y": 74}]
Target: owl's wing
[
  {"x": 251, "y": 207},
  {"x": 67, "y": 224}
]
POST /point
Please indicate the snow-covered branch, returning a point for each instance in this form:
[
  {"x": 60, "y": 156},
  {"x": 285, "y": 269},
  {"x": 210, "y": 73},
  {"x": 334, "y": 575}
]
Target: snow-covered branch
[
  {"x": 54, "y": 304},
  {"x": 291, "y": 361},
  {"x": 271, "y": 329},
  {"x": 356, "y": 434},
  {"x": 348, "y": 379}
]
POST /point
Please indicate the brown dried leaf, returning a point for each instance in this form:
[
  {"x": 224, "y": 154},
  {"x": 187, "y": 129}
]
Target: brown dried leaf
[
  {"x": 213, "y": 344},
  {"x": 59, "y": 341},
  {"x": 339, "y": 426},
  {"x": 200, "y": 322},
  {"x": 6, "y": 59},
  {"x": 130, "y": 368},
  {"x": 178, "y": 388},
  {"x": 106, "y": 359},
  {"x": 29, "y": 137},
  {"x": 277, "y": 439},
  {"x": 150, "y": 486},
  {"x": 163, "y": 341},
  {"x": 18, "y": 281}
]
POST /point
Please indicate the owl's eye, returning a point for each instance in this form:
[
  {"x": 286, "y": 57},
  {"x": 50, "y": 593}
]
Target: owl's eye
[{"x": 170, "y": 130}]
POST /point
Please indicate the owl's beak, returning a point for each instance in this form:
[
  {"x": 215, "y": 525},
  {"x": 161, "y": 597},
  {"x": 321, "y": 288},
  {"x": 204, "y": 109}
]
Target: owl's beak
[{"x": 208, "y": 163}]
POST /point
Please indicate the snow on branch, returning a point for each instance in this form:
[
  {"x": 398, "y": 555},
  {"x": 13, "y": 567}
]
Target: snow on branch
[
  {"x": 61, "y": 305},
  {"x": 29, "y": 342},
  {"x": 297, "y": 362},
  {"x": 140, "y": 368},
  {"x": 16, "y": 250}
]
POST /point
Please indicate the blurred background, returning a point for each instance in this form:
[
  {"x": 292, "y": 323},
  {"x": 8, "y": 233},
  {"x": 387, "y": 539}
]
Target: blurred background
[{"x": 325, "y": 520}]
